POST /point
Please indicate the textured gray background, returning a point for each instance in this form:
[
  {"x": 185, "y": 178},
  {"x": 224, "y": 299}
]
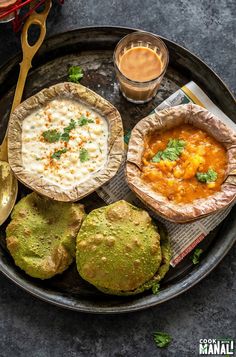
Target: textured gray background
[{"x": 31, "y": 328}]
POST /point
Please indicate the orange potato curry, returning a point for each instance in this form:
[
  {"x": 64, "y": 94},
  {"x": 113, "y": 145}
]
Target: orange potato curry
[{"x": 184, "y": 163}]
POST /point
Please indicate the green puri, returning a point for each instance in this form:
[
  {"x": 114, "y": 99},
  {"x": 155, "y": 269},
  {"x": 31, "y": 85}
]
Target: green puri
[
  {"x": 121, "y": 251},
  {"x": 42, "y": 235}
]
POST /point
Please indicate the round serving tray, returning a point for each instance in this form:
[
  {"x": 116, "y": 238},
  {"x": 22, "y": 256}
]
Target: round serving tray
[{"x": 92, "y": 48}]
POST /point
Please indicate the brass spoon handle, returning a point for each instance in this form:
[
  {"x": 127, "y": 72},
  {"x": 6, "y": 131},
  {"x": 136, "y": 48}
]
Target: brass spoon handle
[
  {"x": 28, "y": 54},
  {"x": 28, "y": 50}
]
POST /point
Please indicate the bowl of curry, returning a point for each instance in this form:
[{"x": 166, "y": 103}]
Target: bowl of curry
[{"x": 181, "y": 162}]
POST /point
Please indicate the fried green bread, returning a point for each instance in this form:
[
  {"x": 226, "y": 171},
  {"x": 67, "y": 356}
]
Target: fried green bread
[
  {"x": 41, "y": 236},
  {"x": 160, "y": 273},
  {"x": 119, "y": 250}
]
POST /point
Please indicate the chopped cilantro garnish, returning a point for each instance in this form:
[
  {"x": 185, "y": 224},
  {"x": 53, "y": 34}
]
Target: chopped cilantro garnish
[
  {"x": 83, "y": 155},
  {"x": 71, "y": 126},
  {"x": 51, "y": 136},
  {"x": 65, "y": 136},
  {"x": 156, "y": 288},
  {"x": 57, "y": 154},
  {"x": 206, "y": 177},
  {"x": 172, "y": 152},
  {"x": 84, "y": 121},
  {"x": 75, "y": 73},
  {"x": 54, "y": 135},
  {"x": 162, "y": 339},
  {"x": 196, "y": 254},
  {"x": 157, "y": 157}
]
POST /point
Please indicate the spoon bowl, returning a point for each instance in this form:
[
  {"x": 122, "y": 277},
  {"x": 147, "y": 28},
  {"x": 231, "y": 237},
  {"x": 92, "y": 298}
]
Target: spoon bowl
[{"x": 8, "y": 191}]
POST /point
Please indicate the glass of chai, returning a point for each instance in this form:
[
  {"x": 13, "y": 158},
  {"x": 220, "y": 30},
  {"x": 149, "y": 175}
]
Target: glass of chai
[{"x": 140, "y": 60}]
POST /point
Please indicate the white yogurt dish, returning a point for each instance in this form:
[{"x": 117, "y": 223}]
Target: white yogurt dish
[{"x": 64, "y": 142}]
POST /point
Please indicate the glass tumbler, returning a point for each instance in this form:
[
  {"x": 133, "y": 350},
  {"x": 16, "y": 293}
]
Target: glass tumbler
[{"x": 136, "y": 91}]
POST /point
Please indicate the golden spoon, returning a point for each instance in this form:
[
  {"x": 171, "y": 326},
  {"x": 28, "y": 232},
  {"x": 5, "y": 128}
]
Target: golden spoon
[{"x": 8, "y": 182}]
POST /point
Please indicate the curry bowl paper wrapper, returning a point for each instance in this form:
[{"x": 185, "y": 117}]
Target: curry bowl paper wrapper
[{"x": 183, "y": 237}]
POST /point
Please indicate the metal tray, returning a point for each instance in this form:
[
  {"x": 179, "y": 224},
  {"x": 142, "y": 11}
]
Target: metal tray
[{"x": 92, "y": 48}]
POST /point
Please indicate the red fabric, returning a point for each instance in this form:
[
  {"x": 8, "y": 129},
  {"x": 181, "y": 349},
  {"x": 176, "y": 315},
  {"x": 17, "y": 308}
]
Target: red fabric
[{"x": 15, "y": 8}]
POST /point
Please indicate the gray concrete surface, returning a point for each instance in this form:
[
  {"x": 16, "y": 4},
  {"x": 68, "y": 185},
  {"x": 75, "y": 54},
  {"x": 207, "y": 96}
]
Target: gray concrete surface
[{"x": 29, "y": 327}]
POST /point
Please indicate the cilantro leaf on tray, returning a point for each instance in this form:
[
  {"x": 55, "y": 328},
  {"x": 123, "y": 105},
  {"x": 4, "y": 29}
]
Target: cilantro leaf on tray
[
  {"x": 196, "y": 255},
  {"x": 162, "y": 339},
  {"x": 156, "y": 288},
  {"x": 75, "y": 74}
]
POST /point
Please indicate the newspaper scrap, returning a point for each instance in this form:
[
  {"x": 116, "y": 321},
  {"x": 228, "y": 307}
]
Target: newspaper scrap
[{"x": 183, "y": 237}]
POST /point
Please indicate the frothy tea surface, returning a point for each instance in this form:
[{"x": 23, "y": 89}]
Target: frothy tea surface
[{"x": 140, "y": 64}]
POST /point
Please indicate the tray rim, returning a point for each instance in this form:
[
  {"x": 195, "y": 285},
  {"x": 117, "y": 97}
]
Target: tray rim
[
  {"x": 195, "y": 275},
  {"x": 36, "y": 292},
  {"x": 131, "y": 29}
]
